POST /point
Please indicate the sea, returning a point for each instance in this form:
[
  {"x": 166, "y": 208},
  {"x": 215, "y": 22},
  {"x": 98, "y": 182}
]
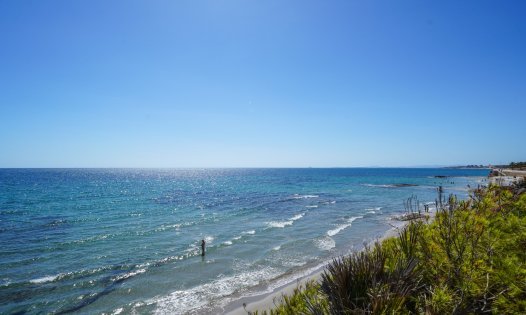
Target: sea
[{"x": 128, "y": 241}]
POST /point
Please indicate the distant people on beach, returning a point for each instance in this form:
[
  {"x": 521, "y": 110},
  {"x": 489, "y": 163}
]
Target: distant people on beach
[{"x": 203, "y": 244}]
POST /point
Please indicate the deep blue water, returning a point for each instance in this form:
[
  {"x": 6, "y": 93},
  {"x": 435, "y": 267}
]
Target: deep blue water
[{"x": 118, "y": 240}]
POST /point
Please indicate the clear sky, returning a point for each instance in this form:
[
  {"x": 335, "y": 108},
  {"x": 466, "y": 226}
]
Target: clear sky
[{"x": 261, "y": 83}]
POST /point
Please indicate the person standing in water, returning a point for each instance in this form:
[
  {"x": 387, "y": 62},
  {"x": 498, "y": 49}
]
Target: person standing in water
[{"x": 203, "y": 244}]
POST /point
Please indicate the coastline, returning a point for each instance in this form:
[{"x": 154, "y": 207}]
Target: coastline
[
  {"x": 267, "y": 301},
  {"x": 203, "y": 289}
]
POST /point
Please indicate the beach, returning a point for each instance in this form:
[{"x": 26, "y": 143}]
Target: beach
[{"x": 506, "y": 176}]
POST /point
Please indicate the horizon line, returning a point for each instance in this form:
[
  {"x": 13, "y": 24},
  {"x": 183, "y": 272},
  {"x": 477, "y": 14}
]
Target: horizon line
[{"x": 487, "y": 166}]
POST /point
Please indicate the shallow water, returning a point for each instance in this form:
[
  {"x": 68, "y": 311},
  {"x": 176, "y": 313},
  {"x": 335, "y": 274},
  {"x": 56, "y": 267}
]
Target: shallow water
[{"x": 124, "y": 241}]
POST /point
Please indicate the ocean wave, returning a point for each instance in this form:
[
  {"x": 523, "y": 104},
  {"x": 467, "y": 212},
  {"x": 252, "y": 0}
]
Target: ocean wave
[
  {"x": 297, "y": 216},
  {"x": 312, "y": 206},
  {"x": 279, "y": 224},
  {"x": 45, "y": 279},
  {"x": 164, "y": 260},
  {"x": 76, "y": 274},
  {"x": 251, "y": 232},
  {"x": 276, "y": 248},
  {"x": 128, "y": 275},
  {"x": 227, "y": 243},
  {"x": 5, "y": 282},
  {"x": 282, "y": 224},
  {"x": 325, "y": 243},
  {"x": 342, "y": 226},
  {"x": 63, "y": 276}
]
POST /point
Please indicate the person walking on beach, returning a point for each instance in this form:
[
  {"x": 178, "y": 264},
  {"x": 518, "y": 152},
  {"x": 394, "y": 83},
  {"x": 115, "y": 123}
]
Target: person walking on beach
[{"x": 203, "y": 244}]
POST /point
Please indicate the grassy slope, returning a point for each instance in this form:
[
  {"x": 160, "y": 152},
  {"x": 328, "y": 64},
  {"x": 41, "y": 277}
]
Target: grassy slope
[{"x": 470, "y": 259}]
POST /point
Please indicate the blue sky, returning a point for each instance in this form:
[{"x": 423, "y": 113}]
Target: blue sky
[{"x": 261, "y": 83}]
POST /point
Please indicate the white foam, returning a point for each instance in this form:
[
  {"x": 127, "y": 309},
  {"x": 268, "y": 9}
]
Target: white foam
[
  {"x": 165, "y": 260},
  {"x": 193, "y": 250},
  {"x": 45, "y": 279},
  {"x": 337, "y": 230},
  {"x": 296, "y": 196},
  {"x": 297, "y": 216},
  {"x": 342, "y": 227},
  {"x": 325, "y": 243},
  {"x": 168, "y": 227},
  {"x": 209, "y": 239},
  {"x": 313, "y": 206},
  {"x": 277, "y": 248},
  {"x": 378, "y": 185},
  {"x": 5, "y": 282},
  {"x": 129, "y": 275},
  {"x": 373, "y": 210},
  {"x": 194, "y": 299},
  {"x": 279, "y": 224},
  {"x": 227, "y": 243},
  {"x": 282, "y": 224},
  {"x": 251, "y": 232},
  {"x": 118, "y": 311}
]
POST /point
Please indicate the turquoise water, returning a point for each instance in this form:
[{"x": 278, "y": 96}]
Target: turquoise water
[{"x": 128, "y": 241}]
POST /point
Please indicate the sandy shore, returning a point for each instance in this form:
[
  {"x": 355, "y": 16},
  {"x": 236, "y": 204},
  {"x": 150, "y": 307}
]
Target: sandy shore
[
  {"x": 268, "y": 301},
  {"x": 507, "y": 177},
  {"x": 510, "y": 172}
]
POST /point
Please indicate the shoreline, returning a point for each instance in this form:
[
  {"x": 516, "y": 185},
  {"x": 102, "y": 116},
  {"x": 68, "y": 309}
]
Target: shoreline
[
  {"x": 268, "y": 300},
  {"x": 506, "y": 176}
]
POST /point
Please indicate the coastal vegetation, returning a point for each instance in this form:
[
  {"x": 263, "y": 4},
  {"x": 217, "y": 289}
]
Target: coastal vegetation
[{"x": 471, "y": 259}]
